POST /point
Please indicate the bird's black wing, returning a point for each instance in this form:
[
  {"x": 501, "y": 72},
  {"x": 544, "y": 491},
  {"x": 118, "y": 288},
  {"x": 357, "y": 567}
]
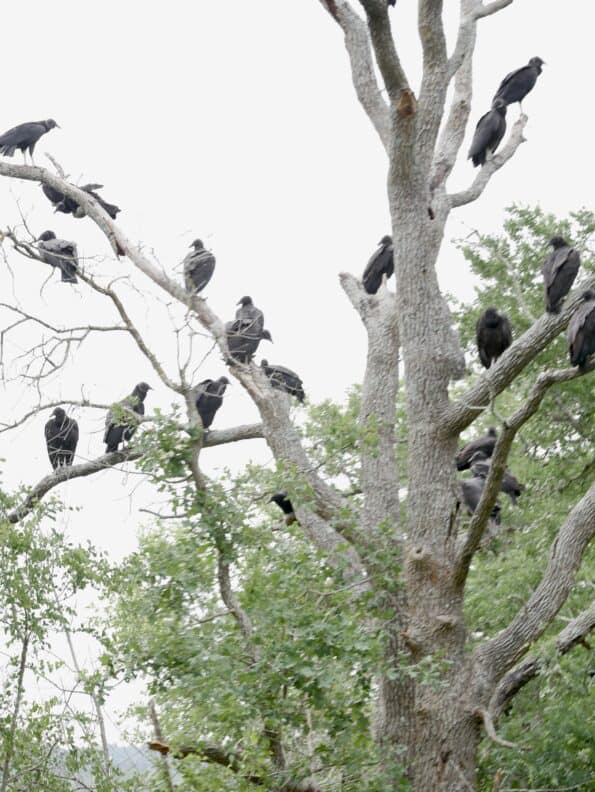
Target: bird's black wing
[{"x": 510, "y": 76}]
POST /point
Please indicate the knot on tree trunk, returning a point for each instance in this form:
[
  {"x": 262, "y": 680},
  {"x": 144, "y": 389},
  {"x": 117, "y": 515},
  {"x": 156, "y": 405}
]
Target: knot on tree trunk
[{"x": 407, "y": 103}]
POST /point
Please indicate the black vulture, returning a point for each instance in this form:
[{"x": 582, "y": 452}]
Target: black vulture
[
  {"x": 381, "y": 263},
  {"x": 59, "y": 253},
  {"x": 250, "y": 316},
  {"x": 199, "y": 266},
  {"x": 284, "y": 379},
  {"x": 209, "y": 397},
  {"x": 516, "y": 85},
  {"x": 493, "y": 334},
  {"x": 581, "y": 331},
  {"x": 24, "y": 136},
  {"x": 510, "y": 485},
  {"x": 391, "y": 2},
  {"x": 66, "y": 205},
  {"x": 242, "y": 341},
  {"x": 559, "y": 271},
  {"x": 489, "y": 132},
  {"x": 283, "y": 502},
  {"x": 61, "y": 437},
  {"x": 486, "y": 444},
  {"x": 119, "y": 424},
  {"x": 472, "y": 489}
]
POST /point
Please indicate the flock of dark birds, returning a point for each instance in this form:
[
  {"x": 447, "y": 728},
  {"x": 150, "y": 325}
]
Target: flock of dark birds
[{"x": 246, "y": 331}]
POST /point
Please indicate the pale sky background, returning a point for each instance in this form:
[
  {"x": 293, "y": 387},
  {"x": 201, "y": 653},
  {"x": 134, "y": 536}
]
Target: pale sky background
[{"x": 237, "y": 122}]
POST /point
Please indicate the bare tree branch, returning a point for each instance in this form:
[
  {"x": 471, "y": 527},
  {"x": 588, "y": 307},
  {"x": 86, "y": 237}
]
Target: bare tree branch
[
  {"x": 357, "y": 44},
  {"x": 574, "y": 633},
  {"x": 213, "y": 438},
  {"x": 488, "y": 723},
  {"x": 491, "y": 8},
  {"x": 385, "y": 51}
]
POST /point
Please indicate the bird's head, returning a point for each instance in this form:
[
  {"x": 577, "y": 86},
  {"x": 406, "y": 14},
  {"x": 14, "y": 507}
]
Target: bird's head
[
  {"x": 386, "y": 240},
  {"x": 224, "y": 381},
  {"x": 197, "y": 244},
  {"x": 59, "y": 414},
  {"x": 589, "y": 294},
  {"x": 46, "y": 236},
  {"x": 557, "y": 242},
  {"x": 491, "y": 314},
  {"x": 537, "y": 63},
  {"x": 264, "y": 363},
  {"x": 492, "y": 431},
  {"x": 266, "y": 336},
  {"x": 277, "y": 497},
  {"x": 245, "y": 301},
  {"x": 50, "y": 124},
  {"x": 142, "y": 389}
]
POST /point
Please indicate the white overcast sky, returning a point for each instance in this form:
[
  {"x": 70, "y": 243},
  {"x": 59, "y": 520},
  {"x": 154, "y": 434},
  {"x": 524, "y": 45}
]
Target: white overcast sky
[{"x": 236, "y": 122}]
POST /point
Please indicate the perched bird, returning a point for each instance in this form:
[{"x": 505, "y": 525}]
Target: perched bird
[
  {"x": 516, "y": 85},
  {"x": 66, "y": 205},
  {"x": 472, "y": 489},
  {"x": 284, "y": 379},
  {"x": 61, "y": 437},
  {"x": 209, "y": 397},
  {"x": 199, "y": 266},
  {"x": 559, "y": 271},
  {"x": 381, "y": 263},
  {"x": 119, "y": 424},
  {"x": 510, "y": 485},
  {"x": 581, "y": 331},
  {"x": 59, "y": 253},
  {"x": 242, "y": 341},
  {"x": 250, "y": 316},
  {"x": 391, "y": 2},
  {"x": 489, "y": 132},
  {"x": 24, "y": 136},
  {"x": 494, "y": 335},
  {"x": 283, "y": 502},
  {"x": 486, "y": 444}
]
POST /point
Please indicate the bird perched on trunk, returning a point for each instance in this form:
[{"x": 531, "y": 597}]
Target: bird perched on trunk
[
  {"x": 283, "y": 502},
  {"x": 59, "y": 253},
  {"x": 581, "y": 331},
  {"x": 284, "y": 379},
  {"x": 516, "y": 85},
  {"x": 24, "y": 136},
  {"x": 494, "y": 334},
  {"x": 559, "y": 272},
  {"x": 510, "y": 485},
  {"x": 199, "y": 266},
  {"x": 381, "y": 263},
  {"x": 472, "y": 489},
  {"x": 391, "y": 2},
  {"x": 61, "y": 437},
  {"x": 486, "y": 444},
  {"x": 120, "y": 425},
  {"x": 489, "y": 132},
  {"x": 251, "y": 317},
  {"x": 62, "y": 203},
  {"x": 209, "y": 397},
  {"x": 243, "y": 342}
]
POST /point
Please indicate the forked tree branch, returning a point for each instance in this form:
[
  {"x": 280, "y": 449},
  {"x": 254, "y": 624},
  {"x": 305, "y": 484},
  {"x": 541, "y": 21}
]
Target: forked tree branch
[
  {"x": 575, "y": 633},
  {"x": 491, "y": 490},
  {"x": 357, "y": 44},
  {"x": 395, "y": 80}
]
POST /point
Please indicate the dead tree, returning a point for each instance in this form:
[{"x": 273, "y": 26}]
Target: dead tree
[{"x": 439, "y": 730}]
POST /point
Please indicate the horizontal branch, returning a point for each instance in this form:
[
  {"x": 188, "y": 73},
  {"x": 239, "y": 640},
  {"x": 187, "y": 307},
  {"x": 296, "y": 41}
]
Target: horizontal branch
[
  {"x": 491, "y": 8},
  {"x": 494, "y": 380},
  {"x": 106, "y": 461},
  {"x": 575, "y": 633}
]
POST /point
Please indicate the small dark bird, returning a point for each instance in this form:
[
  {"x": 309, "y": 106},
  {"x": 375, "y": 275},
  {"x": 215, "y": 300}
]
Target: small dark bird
[
  {"x": 581, "y": 331},
  {"x": 242, "y": 341},
  {"x": 209, "y": 397},
  {"x": 516, "y": 85},
  {"x": 489, "y": 132},
  {"x": 494, "y": 335},
  {"x": 199, "y": 266},
  {"x": 559, "y": 272},
  {"x": 24, "y": 136},
  {"x": 59, "y": 253},
  {"x": 472, "y": 489},
  {"x": 487, "y": 443},
  {"x": 283, "y": 502},
  {"x": 284, "y": 379},
  {"x": 391, "y": 2},
  {"x": 61, "y": 437},
  {"x": 119, "y": 424},
  {"x": 381, "y": 263},
  {"x": 250, "y": 316},
  {"x": 66, "y": 205},
  {"x": 510, "y": 485}
]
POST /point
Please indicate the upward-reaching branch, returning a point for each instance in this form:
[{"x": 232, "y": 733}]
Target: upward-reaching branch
[{"x": 395, "y": 80}]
